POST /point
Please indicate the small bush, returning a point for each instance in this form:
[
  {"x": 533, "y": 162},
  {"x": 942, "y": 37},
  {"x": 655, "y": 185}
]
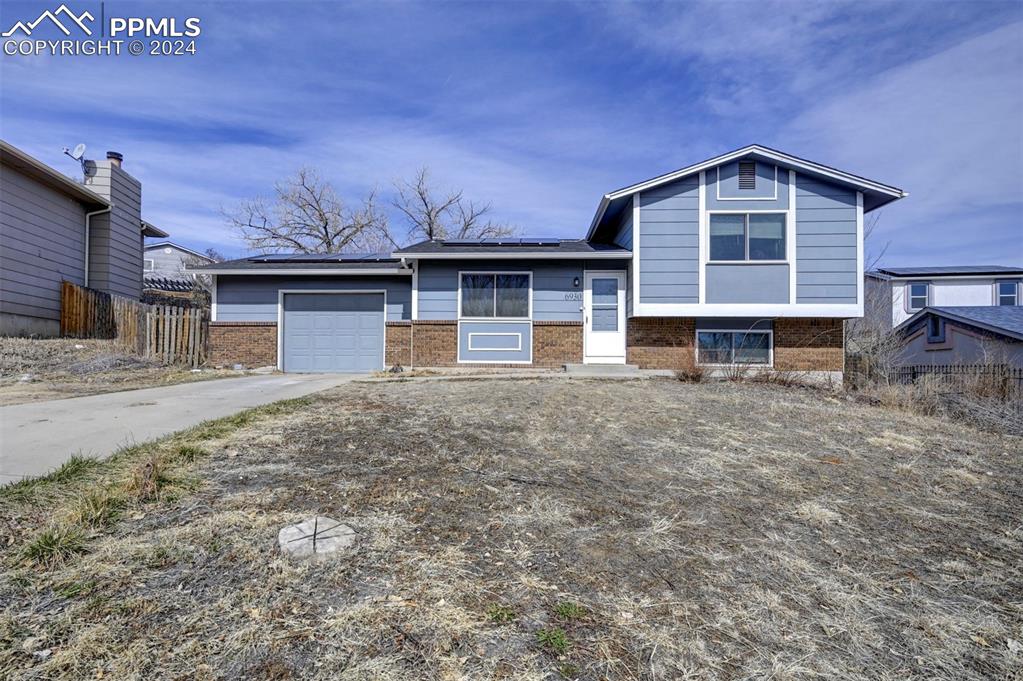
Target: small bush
[
  {"x": 501, "y": 614},
  {"x": 688, "y": 371},
  {"x": 54, "y": 545},
  {"x": 148, "y": 479},
  {"x": 554, "y": 640},
  {"x": 570, "y": 611}
]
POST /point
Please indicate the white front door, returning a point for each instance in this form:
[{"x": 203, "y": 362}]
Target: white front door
[{"x": 604, "y": 318}]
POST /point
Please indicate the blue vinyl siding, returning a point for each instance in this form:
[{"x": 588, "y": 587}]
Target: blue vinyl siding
[
  {"x": 624, "y": 236},
  {"x": 555, "y": 297},
  {"x": 497, "y": 341},
  {"x": 825, "y": 242},
  {"x": 747, "y": 283},
  {"x": 669, "y": 254},
  {"x": 253, "y": 298}
]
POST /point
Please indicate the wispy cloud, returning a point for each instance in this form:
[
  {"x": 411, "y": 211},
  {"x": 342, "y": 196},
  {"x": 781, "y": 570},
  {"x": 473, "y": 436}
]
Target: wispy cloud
[{"x": 542, "y": 107}]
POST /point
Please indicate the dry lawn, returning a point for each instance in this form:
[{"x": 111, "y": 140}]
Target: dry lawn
[
  {"x": 34, "y": 369},
  {"x": 531, "y": 529}
]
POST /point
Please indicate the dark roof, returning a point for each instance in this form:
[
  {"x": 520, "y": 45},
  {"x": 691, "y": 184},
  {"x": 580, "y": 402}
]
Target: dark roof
[
  {"x": 516, "y": 245},
  {"x": 951, "y": 271},
  {"x": 155, "y": 283},
  {"x": 306, "y": 261},
  {"x": 1006, "y": 320}
]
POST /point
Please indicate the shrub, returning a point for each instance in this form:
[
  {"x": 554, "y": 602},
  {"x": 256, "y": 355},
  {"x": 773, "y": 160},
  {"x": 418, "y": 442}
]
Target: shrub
[
  {"x": 688, "y": 371},
  {"x": 54, "y": 545}
]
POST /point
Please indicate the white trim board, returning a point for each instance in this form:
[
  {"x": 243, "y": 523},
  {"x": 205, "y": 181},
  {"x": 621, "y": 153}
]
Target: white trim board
[
  {"x": 843, "y": 310},
  {"x": 596, "y": 255},
  {"x": 472, "y": 334},
  {"x": 280, "y": 318},
  {"x": 458, "y": 341},
  {"x": 776, "y": 156}
]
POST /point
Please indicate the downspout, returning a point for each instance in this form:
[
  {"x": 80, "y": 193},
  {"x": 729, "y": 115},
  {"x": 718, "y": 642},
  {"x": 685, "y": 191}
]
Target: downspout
[{"x": 88, "y": 245}]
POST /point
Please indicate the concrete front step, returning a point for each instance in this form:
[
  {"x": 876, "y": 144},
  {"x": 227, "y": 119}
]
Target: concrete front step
[{"x": 602, "y": 369}]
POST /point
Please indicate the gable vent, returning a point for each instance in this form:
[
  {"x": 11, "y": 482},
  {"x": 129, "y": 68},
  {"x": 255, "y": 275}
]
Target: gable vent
[{"x": 747, "y": 175}]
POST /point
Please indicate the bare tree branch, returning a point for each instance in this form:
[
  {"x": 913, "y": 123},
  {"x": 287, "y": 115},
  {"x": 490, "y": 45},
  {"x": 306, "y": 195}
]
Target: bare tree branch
[
  {"x": 307, "y": 216},
  {"x": 435, "y": 215}
]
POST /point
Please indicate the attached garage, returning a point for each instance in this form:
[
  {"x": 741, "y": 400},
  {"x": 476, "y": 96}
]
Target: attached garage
[{"x": 332, "y": 332}]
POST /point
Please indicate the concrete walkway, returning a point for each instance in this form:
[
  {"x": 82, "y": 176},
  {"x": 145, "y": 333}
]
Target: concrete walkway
[{"x": 38, "y": 437}]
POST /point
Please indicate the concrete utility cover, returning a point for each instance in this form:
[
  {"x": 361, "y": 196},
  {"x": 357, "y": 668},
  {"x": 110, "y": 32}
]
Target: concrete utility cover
[{"x": 317, "y": 538}]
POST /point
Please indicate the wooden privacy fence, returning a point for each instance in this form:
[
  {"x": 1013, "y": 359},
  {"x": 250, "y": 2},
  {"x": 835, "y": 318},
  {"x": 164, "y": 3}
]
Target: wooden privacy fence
[{"x": 167, "y": 333}]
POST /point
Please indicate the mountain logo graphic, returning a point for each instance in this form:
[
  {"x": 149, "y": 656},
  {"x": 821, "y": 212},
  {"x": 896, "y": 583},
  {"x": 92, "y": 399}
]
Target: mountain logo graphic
[{"x": 77, "y": 20}]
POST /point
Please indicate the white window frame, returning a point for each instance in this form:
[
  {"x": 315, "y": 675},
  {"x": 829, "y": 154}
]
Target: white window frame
[
  {"x": 496, "y": 273},
  {"x": 999, "y": 295},
  {"x": 770, "y": 347},
  {"x": 152, "y": 265},
  {"x": 909, "y": 295},
  {"x": 785, "y": 235}
]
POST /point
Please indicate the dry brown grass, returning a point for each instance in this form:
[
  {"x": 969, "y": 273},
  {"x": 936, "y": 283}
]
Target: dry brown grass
[
  {"x": 34, "y": 369},
  {"x": 534, "y": 529}
]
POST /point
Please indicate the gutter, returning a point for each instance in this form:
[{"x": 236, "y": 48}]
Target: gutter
[{"x": 88, "y": 244}]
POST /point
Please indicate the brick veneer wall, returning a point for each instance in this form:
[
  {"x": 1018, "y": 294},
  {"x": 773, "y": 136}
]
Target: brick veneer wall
[
  {"x": 398, "y": 350},
  {"x": 809, "y": 344},
  {"x": 557, "y": 343},
  {"x": 660, "y": 342},
  {"x": 253, "y": 344},
  {"x": 435, "y": 343},
  {"x": 800, "y": 344}
]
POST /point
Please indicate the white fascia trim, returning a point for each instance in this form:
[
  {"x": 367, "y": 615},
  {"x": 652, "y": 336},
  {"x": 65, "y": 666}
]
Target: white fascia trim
[
  {"x": 717, "y": 190},
  {"x": 790, "y": 239},
  {"x": 598, "y": 255},
  {"x": 702, "y": 239},
  {"x": 636, "y": 229},
  {"x": 171, "y": 244},
  {"x": 943, "y": 278},
  {"x": 415, "y": 291},
  {"x": 323, "y": 272},
  {"x": 776, "y": 156},
  {"x": 844, "y": 310},
  {"x": 213, "y": 299},
  {"x": 280, "y": 317},
  {"x": 859, "y": 248}
]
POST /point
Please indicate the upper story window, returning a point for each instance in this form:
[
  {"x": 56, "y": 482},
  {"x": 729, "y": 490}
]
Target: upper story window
[
  {"x": 747, "y": 175},
  {"x": 935, "y": 329},
  {"x": 747, "y": 236},
  {"x": 148, "y": 265},
  {"x": 494, "y": 295},
  {"x": 1008, "y": 292},
  {"x": 917, "y": 296}
]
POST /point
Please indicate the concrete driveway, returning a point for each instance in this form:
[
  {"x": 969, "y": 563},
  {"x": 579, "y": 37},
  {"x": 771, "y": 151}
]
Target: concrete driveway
[{"x": 38, "y": 437}]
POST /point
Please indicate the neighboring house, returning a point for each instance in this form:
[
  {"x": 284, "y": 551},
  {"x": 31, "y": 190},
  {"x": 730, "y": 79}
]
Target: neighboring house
[
  {"x": 164, "y": 266},
  {"x": 54, "y": 229},
  {"x": 753, "y": 257},
  {"x": 894, "y": 294},
  {"x": 964, "y": 335}
]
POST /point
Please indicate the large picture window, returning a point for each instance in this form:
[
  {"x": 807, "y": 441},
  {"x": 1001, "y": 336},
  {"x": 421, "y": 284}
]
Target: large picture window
[
  {"x": 733, "y": 347},
  {"x": 747, "y": 236},
  {"x": 495, "y": 295}
]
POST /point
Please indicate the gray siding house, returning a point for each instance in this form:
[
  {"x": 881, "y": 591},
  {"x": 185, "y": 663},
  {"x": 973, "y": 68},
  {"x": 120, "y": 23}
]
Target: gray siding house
[
  {"x": 53, "y": 229},
  {"x": 754, "y": 257},
  {"x": 964, "y": 335}
]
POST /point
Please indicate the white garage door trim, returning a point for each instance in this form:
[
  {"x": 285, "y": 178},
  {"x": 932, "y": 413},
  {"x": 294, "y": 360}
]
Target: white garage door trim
[{"x": 280, "y": 316}]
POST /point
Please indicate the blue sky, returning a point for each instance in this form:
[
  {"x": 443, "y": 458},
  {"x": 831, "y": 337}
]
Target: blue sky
[{"x": 543, "y": 107}]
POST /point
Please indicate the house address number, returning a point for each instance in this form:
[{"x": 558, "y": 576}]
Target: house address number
[{"x": 574, "y": 295}]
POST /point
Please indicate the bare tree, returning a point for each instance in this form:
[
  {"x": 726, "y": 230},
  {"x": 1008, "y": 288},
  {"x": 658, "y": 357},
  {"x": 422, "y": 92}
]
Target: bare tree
[
  {"x": 433, "y": 214},
  {"x": 307, "y": 216}
]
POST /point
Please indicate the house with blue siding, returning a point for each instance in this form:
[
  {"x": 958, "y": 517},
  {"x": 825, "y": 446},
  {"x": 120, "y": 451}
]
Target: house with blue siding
[{"x": 751, "y": 258}]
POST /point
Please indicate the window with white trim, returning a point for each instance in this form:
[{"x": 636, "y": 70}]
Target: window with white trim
[
  {"x": 148, "y": 265},
  {"x": 1008, "y": 292},
  {"x": 917, "y": 295},
  {"x": 733, "y": 347},
  {"x": 494, "y": 295},
  {"x": 747, "y": 236}
]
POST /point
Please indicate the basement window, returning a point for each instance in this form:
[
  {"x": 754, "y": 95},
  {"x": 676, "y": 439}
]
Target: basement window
[
  {"x": 747, "y": 175},
  {"x": 734, "y": 347}
]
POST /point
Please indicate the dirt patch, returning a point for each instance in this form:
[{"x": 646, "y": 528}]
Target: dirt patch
[
  {"x": 550, "y": 528},
  {"x": 33, "y": 369}
]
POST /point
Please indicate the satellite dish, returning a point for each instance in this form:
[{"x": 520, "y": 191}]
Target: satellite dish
[{"x": 79, "y": 152}]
